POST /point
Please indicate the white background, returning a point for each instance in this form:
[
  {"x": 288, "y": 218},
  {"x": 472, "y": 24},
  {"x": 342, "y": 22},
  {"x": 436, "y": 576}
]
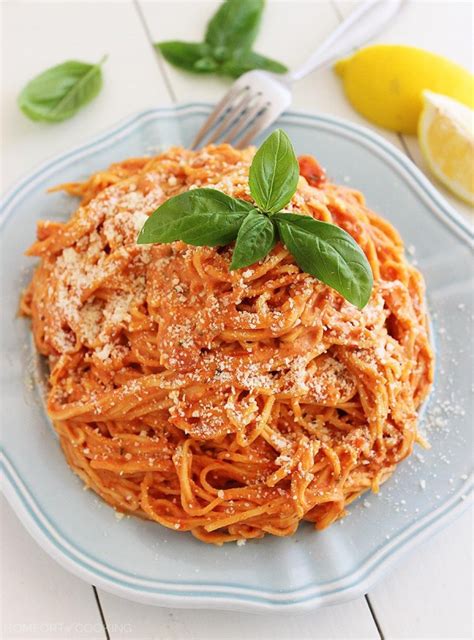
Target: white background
[{"x": 429, "y": 593}]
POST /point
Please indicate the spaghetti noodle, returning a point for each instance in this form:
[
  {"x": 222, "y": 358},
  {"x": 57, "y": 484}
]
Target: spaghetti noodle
[{"x": 228, "y": 404}]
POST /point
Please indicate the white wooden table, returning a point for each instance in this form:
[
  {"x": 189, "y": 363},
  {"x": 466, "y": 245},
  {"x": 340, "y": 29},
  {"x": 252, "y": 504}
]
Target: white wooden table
[{"x": 429, "y": 594}]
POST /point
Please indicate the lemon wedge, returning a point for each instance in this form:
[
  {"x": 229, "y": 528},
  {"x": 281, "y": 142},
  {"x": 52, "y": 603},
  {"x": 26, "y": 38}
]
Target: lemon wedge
[
  {"x": 385, "y": 82},
  {"x": 446, "y": 136}
]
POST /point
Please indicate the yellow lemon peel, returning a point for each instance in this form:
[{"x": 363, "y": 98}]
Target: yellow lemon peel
[
  {"x": 446, "y": 136},
  {"x": 385, "y": 83}
]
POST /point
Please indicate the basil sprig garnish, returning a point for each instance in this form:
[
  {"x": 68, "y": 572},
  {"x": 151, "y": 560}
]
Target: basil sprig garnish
[
  {"x": 59, "y": 92},
  {"x": 207, "y": 217},
  {"x": 256, "y": 238},
  {"x": 227, "y": 46},
  {"x": 274, "y": 173},
  {"x": 329, "y": 253},
  {"x": 201, "y": 217}
]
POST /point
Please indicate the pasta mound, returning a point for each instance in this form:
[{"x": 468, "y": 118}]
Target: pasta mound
[{"x": 226, "y": 403}]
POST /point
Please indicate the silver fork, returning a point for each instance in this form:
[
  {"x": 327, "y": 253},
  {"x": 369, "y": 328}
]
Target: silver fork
[{"x": 257, "y": 98}]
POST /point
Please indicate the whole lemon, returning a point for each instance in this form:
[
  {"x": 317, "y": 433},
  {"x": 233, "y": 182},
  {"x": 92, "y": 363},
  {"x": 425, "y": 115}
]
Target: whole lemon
[{"x": 385, "y": 83}]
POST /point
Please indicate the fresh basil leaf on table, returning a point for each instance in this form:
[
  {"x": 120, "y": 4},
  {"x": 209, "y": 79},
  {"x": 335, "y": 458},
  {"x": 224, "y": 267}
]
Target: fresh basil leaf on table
[
  {"x": 243, "y": 61},
  {"x": 234, "y": 26},
  {"x": 256, "y": 238},
  {"x": 226, "y": 49},
  {"x": 188, "y": 55},
  {"x": 201, "y": 217},
  {"x": 328, "y": 253},
  {"x": 59, "y": 92},
  {"x": 274, "y": 173}
]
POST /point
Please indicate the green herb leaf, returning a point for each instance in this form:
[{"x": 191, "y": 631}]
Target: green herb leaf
[
  {"x": 329, "y": 253},
  {"x": 59, "y": 92},
  {"x": 205, "y": 65},
  {"x": 243, "y": 61},
  {"x": 234, "y": 26},
  {"x": 227, "y": 46},
  {"x": 256, "y": 238},
  {"x": 274, "y": 173},
  {"x": 186, "y": 55},
  {"x": 201, "y": 217},
  {"x": 221, "y": 53},
  {"x": 207, "y": 217}
]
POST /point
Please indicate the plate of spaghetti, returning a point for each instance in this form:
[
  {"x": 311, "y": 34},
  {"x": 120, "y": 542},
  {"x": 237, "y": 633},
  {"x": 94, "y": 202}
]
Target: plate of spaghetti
[{"x": 220, "y": 418}]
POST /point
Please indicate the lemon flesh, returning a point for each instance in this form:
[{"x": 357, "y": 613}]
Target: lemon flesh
[
  {"x": 446, "y": 136},
  {"x": 385, "y": 83}
]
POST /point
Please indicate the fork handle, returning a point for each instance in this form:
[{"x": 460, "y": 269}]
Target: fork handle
[{"x": 361, "y": 25}]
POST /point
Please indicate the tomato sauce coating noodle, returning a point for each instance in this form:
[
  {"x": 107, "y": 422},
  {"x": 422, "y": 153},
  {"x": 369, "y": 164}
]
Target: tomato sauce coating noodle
[{"x": 228, "y": 404}]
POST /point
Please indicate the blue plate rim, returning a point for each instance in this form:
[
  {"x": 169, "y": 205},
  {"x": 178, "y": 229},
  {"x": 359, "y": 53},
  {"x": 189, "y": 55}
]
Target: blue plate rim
[{"x": 228, "y": 596}]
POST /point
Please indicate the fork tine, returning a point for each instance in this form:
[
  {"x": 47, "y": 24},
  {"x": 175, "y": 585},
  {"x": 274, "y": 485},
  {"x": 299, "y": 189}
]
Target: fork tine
[
  {"x": 253, "y": 102},
  {"x": 232, "y": 115},
  {"x": 219, "y": 111},
  {"x": 248, "y": 116},
  {"x": 262, "y": 121}
]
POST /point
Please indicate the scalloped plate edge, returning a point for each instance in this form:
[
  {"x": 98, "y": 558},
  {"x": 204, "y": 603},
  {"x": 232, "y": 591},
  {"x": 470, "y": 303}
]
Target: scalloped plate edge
[{"x": 230, "y": 596}]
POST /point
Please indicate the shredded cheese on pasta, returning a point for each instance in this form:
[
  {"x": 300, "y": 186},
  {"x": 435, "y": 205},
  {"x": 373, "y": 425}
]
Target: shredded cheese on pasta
[{"x": 228, "y": 404}]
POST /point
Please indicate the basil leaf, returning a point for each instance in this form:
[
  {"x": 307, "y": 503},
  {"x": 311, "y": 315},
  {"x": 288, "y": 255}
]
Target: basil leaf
[
  {"x": 199, "y": 217},
  {"x": 243, "y": 61},
  {"x": 274, "y": 173},
  {"x": 329, "y": 253},
  {"x": 186, "y": 55},
  {"x": 59, "y": 92},
  {"x": 227, "y": 46},
  {"x": 256, "y": 238},
  {"x": 205, "y": 65},
  {"x": 234, "y": 26}
]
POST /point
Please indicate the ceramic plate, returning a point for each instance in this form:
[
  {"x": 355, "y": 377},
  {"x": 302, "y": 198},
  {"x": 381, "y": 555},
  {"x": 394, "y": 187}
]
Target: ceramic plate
[{"x": 145, "y": 562}]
